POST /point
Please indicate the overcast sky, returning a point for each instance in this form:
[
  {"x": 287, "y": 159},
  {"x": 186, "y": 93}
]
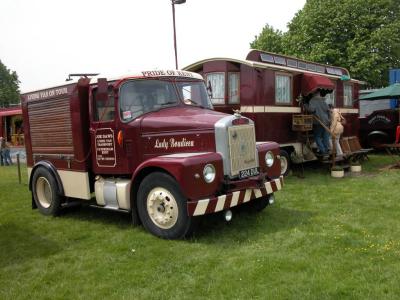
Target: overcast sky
[{"x": 45, "y": 40}]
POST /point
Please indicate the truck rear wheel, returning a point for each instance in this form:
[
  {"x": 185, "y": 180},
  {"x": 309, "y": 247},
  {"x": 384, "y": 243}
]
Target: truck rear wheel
[
  {"x": 162, "y": 207},
  {"x": 45, "y": 192}
]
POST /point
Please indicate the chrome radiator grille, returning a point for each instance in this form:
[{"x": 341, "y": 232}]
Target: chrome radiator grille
[{"x": 242, "y": 148}]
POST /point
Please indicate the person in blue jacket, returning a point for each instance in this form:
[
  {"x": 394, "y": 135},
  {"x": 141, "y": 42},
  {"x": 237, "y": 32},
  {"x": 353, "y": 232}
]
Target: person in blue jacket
[{"x": 318, "y": 106}]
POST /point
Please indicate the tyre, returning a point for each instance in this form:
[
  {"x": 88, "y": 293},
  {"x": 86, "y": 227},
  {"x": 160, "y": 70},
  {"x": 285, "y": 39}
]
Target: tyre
[
  {"x": 162, "y": 207},
  {"x": 285, "y": 162},
  {"x": 377, "y": 138},
  {"x": 257, "y": 205},
  {"x": 45, "y": 192}
]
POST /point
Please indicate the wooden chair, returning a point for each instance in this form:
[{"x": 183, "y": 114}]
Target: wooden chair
[{"x": 356, "y": 151}]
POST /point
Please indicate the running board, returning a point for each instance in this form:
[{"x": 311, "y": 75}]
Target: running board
[{"x": 107, "y": 207}]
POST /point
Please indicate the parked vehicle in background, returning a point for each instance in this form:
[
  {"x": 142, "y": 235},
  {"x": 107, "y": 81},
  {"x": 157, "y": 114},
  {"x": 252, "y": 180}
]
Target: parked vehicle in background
[
  {"x": 148, "y": 144},
  {"x": 379, "y": 122}
]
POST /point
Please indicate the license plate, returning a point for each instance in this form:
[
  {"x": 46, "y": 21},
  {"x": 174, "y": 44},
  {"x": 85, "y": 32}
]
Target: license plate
[{"x": 248, "y": 173}]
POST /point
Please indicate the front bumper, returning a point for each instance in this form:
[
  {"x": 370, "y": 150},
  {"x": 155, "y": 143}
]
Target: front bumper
[{"x": 223, "y": 202}]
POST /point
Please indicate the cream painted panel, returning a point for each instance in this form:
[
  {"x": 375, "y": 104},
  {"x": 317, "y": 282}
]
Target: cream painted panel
[
  {"x": 270, "y": 109},
  {"x": 75, "y": 184},
  {"x": 29, "y": 173},
  {"x": 282, "y": 109},
  {"x": 348, "y": 110}
]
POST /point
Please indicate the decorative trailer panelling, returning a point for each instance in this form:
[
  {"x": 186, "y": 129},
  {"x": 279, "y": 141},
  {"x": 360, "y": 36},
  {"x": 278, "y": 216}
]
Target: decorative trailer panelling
[{"x": 273, "y": 89}]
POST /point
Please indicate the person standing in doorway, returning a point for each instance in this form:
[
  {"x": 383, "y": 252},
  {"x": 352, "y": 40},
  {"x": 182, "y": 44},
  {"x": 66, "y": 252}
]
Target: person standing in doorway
[{"x": 318, "y": 107}]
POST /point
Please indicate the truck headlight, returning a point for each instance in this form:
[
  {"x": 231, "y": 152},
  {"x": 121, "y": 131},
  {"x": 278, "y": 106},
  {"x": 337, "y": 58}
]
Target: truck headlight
[
  {"x": 269, "y": 158},
  {"x": 209, "y": 173}
]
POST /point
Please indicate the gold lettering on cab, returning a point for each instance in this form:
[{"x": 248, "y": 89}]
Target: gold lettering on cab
[
  {"x": 158, "y": 73},
  {"x": 48, "y": 93},
  {"x": 105, "y": 148},
  {"x": 173, "y": 143}
]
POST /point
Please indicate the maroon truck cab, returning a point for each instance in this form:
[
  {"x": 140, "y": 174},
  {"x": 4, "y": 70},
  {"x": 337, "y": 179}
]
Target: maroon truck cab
[
  {"x": 270, "y": 89},
  {"x": 149, "y": 144}
]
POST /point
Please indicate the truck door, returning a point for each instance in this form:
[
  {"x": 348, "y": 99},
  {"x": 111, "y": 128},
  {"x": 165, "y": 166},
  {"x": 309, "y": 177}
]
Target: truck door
[{"x": 108, "y": 156}]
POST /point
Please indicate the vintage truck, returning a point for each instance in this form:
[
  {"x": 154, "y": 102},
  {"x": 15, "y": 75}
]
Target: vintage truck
[{"x": 149, "y": 144}]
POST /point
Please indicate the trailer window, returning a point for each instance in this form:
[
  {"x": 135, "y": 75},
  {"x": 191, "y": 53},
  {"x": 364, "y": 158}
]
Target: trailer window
[
  {"x": 330, "y": 98},
  {"x": 233, "y": 87},
  {"x": 103, "y": 110},
  {"x": 283, "y": 89},
  {"x": 347, "y": 95},
  {"x": 217, "y": 83}
]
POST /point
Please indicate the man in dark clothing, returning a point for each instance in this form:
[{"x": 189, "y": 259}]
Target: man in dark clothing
[{"x": 320, "y": 109}]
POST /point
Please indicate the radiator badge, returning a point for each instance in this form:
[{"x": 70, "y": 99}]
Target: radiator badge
[
  {"x": 173, "y": 143},
  {"x": 237, "y": 113}
]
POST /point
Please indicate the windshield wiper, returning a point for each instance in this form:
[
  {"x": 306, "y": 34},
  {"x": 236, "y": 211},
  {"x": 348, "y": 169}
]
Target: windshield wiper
[{"x": 168, "y": 103}]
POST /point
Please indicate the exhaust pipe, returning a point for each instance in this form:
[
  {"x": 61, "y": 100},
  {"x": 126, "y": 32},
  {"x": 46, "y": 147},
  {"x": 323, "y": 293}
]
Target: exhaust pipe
[{"x": 228, "y": 215}]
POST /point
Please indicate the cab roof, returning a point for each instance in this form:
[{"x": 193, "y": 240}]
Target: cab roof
[{"x": 133, "y": 75}]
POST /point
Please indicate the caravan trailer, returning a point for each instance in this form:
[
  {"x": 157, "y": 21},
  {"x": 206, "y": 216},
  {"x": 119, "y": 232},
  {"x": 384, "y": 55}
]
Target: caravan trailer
[{"x": 271, "y": 88}]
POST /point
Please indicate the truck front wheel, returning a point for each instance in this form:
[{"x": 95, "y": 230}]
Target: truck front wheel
[
  {"x": 162, "y": 207},
  {"x": 45, "y": 193},
  {"x": 285, "y": 162}
]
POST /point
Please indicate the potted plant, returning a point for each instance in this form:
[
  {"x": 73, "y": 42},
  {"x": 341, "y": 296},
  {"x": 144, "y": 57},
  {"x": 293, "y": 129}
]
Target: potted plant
[
  {"x": 337, "y": 172},
  {"x": 355, "y": 167}
]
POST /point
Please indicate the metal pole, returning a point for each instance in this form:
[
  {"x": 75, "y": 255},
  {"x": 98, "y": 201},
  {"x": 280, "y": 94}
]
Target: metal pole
[
  {"x": 19, "y": 169},
  {"x": 173, "y": 21}
]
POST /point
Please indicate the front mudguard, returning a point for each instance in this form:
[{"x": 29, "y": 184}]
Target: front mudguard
[{"x": 187, "y": 170}]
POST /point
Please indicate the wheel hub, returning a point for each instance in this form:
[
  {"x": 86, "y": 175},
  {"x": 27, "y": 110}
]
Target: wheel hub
[
  {"x": 43, "y": 192},
  {"x": 162, "y": 208}
]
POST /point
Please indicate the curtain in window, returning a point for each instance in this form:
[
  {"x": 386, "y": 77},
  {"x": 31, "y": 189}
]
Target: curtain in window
[
  {"x": 234, "y": 88},
  {"x": 330, "y": 98},
  {"x": 347, "y": 95},
  {"x": 217, "y": 81},
  {"x": 282, "y": 89}
]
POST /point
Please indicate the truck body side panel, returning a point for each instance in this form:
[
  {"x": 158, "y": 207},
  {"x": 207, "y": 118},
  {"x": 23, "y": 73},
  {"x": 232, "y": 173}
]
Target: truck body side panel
[
  {"x": 57, "y": 126},
  {"x": 51, "y": 126}
]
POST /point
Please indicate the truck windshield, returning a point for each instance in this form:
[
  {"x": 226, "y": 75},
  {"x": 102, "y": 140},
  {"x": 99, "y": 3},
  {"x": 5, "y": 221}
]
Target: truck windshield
[
  {"x": 141, "y": 96},
  {"x": 194, "y": 93}
]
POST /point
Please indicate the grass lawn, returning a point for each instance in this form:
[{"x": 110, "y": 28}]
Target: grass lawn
[{"x": 324, "y": 238}]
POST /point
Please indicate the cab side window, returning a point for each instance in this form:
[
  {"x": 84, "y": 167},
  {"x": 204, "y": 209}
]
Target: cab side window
[{"x": 103, "y": 109}]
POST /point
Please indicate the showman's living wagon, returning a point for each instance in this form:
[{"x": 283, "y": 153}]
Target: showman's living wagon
[{"x": 271, "y": 89}]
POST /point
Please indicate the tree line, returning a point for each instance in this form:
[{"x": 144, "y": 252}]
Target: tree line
[
  {"x": 9, "y": 89},
  {"x": 360, "y": 35}
]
